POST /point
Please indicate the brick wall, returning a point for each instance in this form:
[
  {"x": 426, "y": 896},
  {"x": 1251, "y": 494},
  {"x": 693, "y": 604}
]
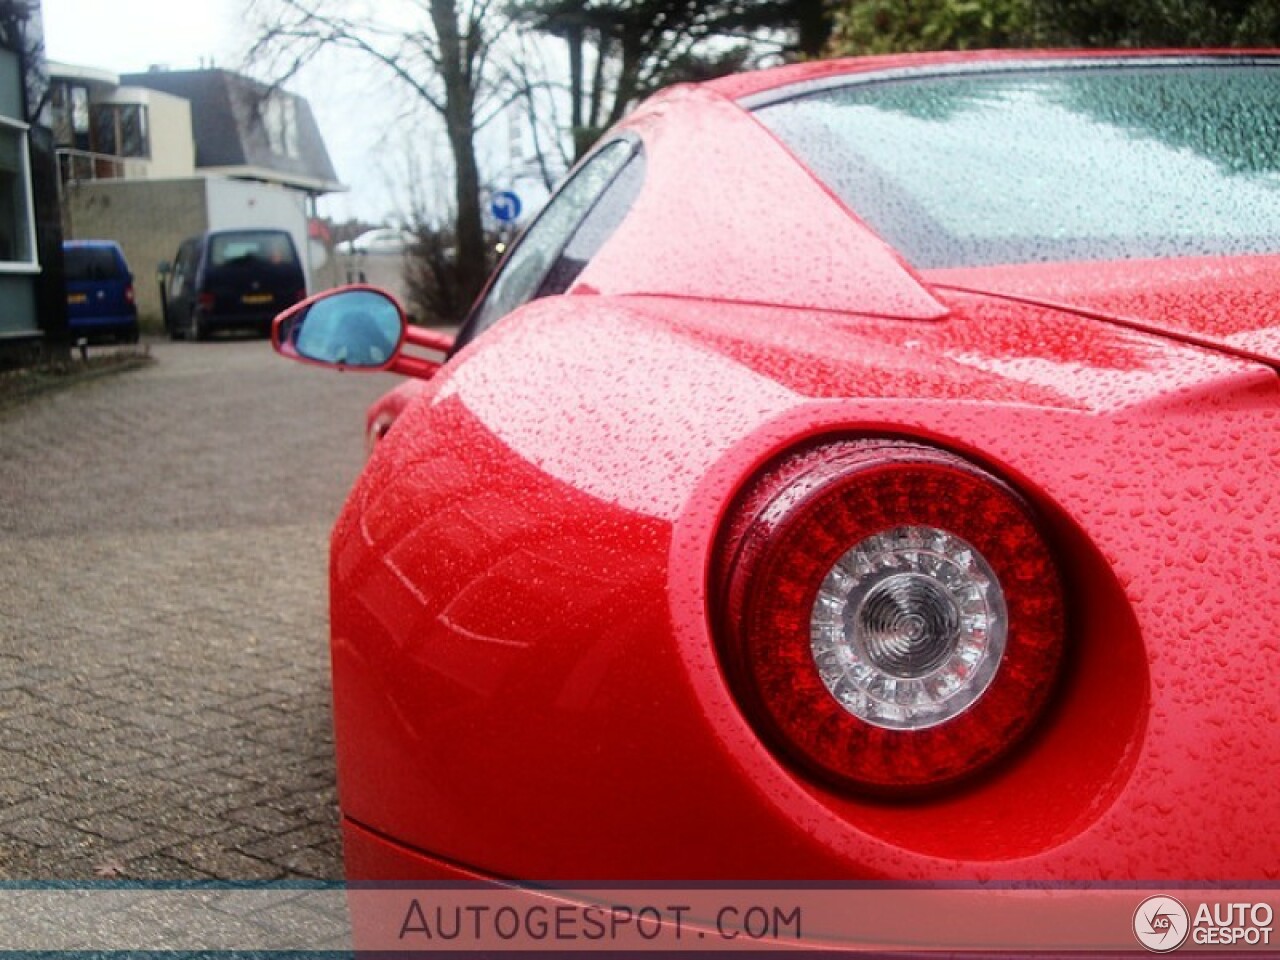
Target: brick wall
[{"x": 148, "y": 218}]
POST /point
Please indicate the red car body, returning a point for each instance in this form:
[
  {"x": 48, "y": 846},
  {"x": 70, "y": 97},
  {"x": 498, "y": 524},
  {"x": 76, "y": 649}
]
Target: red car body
[
  {"x": 532, "y": 679},
  {"x": 385, "y": 411}
]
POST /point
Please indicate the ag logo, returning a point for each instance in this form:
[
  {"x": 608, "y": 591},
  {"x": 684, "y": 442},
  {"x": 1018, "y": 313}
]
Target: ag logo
[{"x": 1161, "y": 924}]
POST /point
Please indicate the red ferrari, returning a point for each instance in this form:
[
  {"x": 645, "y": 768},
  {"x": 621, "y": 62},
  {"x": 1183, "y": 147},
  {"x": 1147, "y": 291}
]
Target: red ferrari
[{"x": 858, "y": 470}]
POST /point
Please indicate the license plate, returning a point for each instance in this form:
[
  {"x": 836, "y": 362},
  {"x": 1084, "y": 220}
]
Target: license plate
[
  {"x": 77, "y": 298},
  {"x": 257, "y": 298}
]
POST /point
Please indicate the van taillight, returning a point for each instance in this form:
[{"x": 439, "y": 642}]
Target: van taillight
[
  {"x": 128, "y": 293},
  {"x": 890, "y": 615},
  {"x": 206, "y": 301}
]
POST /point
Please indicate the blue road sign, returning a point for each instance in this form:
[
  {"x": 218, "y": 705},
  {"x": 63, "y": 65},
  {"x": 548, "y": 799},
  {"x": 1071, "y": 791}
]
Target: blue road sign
[{"x": 505, "y": 206}]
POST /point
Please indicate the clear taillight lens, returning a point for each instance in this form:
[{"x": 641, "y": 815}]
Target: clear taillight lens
[
  {"x": 909, "y": 627},
  {"x": 891, "y": 615}
]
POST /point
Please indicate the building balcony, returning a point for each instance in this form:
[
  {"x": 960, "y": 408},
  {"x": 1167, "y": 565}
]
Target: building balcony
[{"x": 81, "y": 165}]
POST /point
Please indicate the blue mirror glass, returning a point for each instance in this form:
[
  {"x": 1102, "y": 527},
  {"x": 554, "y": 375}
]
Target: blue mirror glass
[{"x": 352, "y": 328}]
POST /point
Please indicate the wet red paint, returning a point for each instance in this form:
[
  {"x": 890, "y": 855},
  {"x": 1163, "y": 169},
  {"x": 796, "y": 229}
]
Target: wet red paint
[{"x": 526, "y": 676}]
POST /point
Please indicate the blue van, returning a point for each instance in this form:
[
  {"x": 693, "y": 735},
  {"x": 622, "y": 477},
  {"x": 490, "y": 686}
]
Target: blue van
[
  {"x": 100, "y": 301},
  {"x": 230, "y": 278}
]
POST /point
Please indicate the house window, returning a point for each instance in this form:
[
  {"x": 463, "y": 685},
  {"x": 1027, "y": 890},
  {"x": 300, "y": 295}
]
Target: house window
[
  {"x": 17, "y": 219},
  {"x": 120, "y": 129},
  {"x": 70, "y": 115},
  {"x": 280, "y": 117}
]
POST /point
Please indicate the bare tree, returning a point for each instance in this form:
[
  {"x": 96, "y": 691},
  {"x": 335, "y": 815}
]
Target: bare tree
[
  {"x": 541, "y": 95},
  {"x": 438, "y": 50},
  {"x": 620, "y": 51}
]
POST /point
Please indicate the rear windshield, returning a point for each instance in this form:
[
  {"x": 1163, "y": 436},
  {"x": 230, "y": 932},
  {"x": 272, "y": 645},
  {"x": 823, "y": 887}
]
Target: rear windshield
[
  {"x": 86, "y": 264},
  {"x": 228, "y": 249},
  {"x": 1067, "y": 163}
]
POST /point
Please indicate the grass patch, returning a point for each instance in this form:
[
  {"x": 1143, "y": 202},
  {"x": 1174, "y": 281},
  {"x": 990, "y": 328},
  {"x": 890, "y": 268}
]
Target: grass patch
[{"x": 18, "y": 386}]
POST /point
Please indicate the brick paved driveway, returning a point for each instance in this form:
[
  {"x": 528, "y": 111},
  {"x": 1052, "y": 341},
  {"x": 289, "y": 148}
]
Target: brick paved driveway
[{"x": 164, "y": 691}]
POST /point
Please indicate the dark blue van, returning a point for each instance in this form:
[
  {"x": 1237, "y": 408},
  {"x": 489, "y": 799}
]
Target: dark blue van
[
  {"x": 228, "y": 279},
  {"x": 100, "y": 303}
]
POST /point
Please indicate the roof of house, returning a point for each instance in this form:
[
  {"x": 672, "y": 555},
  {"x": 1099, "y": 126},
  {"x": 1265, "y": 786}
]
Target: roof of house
[{"x": 248, "y": 129}]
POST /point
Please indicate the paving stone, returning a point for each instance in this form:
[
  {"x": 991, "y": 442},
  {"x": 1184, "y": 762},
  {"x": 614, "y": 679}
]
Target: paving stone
[
  {"x": 221, "y": 861},
  {"x": 20, "y": 859},
  {"x": 32, "y": 806},
  {"x": 161, "y": 866},
  {"x": 112, "y": 826},
  {"x": 42, "y": 832},
  {"x": 310, "y": 862},
  {"x": 278, "y": 847},
  {"x": 141, "y": 847},
  {"x": 264, "y": 818}
]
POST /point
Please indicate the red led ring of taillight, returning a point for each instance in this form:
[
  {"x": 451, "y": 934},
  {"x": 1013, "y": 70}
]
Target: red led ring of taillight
[{"x": 791, "y": 526}]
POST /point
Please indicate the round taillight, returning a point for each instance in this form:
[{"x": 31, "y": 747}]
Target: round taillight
[{"x": 891, "y": 614}]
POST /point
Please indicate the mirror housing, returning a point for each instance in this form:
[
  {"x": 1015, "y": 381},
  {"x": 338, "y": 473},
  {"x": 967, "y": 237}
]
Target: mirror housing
[
  {"x": 164, "y": 267},
  {"x": 357, "y": 327}
]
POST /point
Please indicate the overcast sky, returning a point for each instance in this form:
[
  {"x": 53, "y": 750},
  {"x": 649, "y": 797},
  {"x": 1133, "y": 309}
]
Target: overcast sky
[{"x": 365, "y": 142}]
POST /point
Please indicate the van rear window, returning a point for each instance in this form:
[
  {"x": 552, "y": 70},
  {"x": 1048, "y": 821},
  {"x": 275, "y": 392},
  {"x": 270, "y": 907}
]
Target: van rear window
[
  {"x": 86, "y": 264},
  {"x": 232, "y": 248}
]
